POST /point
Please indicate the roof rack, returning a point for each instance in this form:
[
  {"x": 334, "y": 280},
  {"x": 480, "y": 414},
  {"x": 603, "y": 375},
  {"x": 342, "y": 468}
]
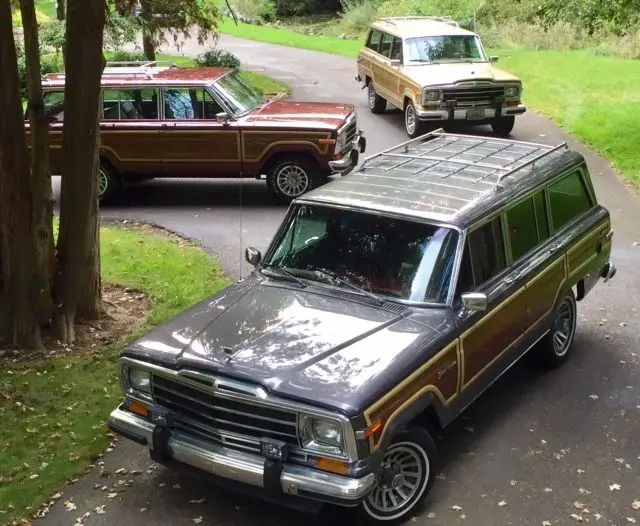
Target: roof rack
[
  {"x": 444, "y": 19},
  {"x": 472, "y": 157},
  {"x": 134, "y": 74},
  {"x": 141, "y": 64}
]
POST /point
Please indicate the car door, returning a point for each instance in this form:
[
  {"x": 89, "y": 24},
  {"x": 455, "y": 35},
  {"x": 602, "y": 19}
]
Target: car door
[
  {"x": 192, "y": 142},
  {"x": 485, "y": 336},
  {"x": 129, "y": 130},
  {"x": 369, "y": 55}
]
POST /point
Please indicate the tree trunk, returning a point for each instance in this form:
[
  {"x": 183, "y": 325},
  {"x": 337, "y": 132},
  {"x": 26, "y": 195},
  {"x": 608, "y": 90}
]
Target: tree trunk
[
  {"x": 60, "y": 10},
  {"x": 39, "y": 162},
  {"x": 148, "y": 45},
  {"x": 16, "y": 193},
  {"x": 79, "y": 236}
]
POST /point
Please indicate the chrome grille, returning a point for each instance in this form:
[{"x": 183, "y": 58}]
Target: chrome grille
[
  {"x": 230, "y": 422},
  {"x": 349, "y": 133},
  {"x": 473, "y": 95}
]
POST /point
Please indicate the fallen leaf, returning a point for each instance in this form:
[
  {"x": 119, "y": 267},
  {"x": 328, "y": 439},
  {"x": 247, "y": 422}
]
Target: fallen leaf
[
  {"x": 584, "y": 491},
  {"x": 631, "y": 519},
  {"x": 636, "y": 504},
  {"x": 513, "y": 482},
  {"x": 576, "y": 517},
  {"x": 197, "y": 520},
  {"x": 70, "y": 506},
  {"x": 546, "y": 523},
  {"x": 547, "y": 490},
  {"x": 112, "y": 495},
  {"x": 594, "y": 396},
  {"x": 578, "y": 505},
  {"x": 100, "y": 510},
  {"x": 615, "y": 487},
  {"x": 455, "y": 507},
  {"x": 142, "y": 510},
  {"x": 502, "y": 503},
  {"x": 197, "y": 501},
  {"x": 580, "y": 471}
]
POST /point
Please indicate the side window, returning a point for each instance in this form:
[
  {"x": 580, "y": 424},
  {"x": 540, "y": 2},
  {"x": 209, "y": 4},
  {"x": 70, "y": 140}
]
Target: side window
[
  {"x": 373, "y": 42},
  {"x": 487, "y": 251},
  {"x": 542, "y": 218},
  {"x": 396, "y": 49},
  {"x": 568, "y": 198},
  {"x": 53, "y": 105},
  {"x": 385, "y": 47},
  {"x": 523, "y": 232},
  {"x": 465, "y": 276},
  {"x": 128, "y": 104},
  {"x": 180, "y": 103},
  {"x": 207, "y": 107}
]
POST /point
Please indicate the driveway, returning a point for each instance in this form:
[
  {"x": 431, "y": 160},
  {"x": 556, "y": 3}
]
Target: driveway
[{"x": 538, "y": 448}]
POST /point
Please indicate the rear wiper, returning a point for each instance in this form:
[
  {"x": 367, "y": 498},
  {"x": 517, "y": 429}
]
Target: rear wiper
[{"x": 334, "y": 277}]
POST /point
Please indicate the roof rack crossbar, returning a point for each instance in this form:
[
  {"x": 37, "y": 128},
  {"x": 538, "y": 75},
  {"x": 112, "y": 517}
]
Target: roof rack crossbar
[
  {"x": 446, "y": 19},
  {"x": 539, "y": 151},
  {"x": 549, "y": 150},
  {"x": 141, "y": 63}
]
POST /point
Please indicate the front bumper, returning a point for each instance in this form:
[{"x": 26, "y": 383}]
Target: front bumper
[
  {"x": 459, "y": 113},
  {"x": 349, "y": 161},
  {"x": 244, "y": 468}
]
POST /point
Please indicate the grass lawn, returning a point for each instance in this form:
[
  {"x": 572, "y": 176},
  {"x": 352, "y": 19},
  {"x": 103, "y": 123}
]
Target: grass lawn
[
  {"x": 53, "y": 413},
  {"x": 594, "y": 98}
]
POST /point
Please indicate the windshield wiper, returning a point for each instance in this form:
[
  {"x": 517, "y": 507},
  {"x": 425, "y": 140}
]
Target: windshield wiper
[
  {"x": 340, "y": 281},
  {"x": 279, "y": 271}
]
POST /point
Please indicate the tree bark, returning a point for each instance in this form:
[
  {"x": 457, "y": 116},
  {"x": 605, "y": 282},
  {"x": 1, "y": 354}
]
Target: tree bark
[
  {"x": 60, "y": 9},
  {"x": 79, "y": 235},
  {"x": 39, "y": 163},
  {"x": 148, "y": 45},
  {"x": 16, "y": 193}
]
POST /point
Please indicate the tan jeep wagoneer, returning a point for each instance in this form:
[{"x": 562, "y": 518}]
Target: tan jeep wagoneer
[
  {"x": 160, "y": 120},
  {"x": 436, "y": 72}
]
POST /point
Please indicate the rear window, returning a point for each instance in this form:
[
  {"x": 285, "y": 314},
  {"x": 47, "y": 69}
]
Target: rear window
[
  {"x": 373, "y": 42},
  {"x": 568, "y": 199}
]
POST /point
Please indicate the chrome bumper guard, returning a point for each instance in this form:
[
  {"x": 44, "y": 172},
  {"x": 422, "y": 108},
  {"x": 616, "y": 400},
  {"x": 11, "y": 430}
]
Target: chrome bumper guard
[
  {"x": 349, "y": 161},
  {"x": 460, "y": 113},
  {"x": 244, "y": 468}
]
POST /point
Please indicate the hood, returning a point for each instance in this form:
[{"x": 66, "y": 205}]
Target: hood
[
  {"x": 436, "y": 74},
  {"x": 309, "y": 346},
  {"x": 326, "y": 115}
]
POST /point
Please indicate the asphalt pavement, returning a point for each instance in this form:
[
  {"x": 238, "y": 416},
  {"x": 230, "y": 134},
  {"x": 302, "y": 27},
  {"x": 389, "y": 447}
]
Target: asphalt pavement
[{"x": 552, "y": 448}]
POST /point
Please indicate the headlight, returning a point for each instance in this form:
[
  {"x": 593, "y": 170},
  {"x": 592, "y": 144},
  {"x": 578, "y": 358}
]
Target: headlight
[
  {"x": 511, "y": 91},
  {"x": 137, "y": 381},
  {"x": 323, "y": 435},
  {"x": 431, "y": 95}
]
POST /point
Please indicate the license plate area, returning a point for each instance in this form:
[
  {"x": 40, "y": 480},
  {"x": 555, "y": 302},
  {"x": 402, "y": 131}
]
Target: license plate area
[{"x": 475, "y": 114}]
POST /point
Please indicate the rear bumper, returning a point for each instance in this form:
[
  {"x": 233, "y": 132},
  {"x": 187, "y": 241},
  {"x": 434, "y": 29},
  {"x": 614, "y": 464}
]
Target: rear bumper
[
  {"x": 460, "y": 113},
  {"x": 349, "y": 161},
  {"x": 274, "y": 479},
  {"x": 608, "y": 271}
]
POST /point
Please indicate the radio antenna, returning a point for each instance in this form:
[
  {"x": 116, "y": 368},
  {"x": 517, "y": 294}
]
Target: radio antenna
[{"x": 240, "y": 222}]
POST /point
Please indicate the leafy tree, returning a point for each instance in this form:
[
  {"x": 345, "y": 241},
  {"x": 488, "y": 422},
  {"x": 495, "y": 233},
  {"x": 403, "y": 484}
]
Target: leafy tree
[{"x": 160, "y": 20}]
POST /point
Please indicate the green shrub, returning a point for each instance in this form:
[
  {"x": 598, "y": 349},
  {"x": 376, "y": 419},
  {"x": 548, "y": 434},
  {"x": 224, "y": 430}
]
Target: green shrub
[
  {"x": 358, "y": 14},
  {"x": 51, "y": 35},
  {"x": 286, "y": 8},
  {"x": 120, "y": 31},
  {"x": 264, "y": 10},
  {"x": 127, "y": 56},
  {"x": 46, "y": 66},
  {"x": 217, "y": 58}
]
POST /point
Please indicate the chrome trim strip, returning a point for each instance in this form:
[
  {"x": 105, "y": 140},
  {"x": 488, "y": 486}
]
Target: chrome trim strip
[{"x": 245, "y": 467}]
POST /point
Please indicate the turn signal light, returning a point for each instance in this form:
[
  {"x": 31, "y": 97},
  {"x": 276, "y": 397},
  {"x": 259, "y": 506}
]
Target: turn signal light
[
  {"x": 331, "y": 465},
  {"x": 138, "y": 408}
]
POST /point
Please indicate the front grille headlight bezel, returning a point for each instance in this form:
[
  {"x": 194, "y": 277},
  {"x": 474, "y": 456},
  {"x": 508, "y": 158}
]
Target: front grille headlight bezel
[
  {"x": 512, "y": 91},
  {"x": 431, "y": 96},
  {"x": 136, "y": 382},
  {"x": 323, "y": 435}
]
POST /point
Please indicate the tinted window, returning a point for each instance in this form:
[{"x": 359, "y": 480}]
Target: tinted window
[
  {"x": 487, "y": 251},
  {"x": 396, "y": 49},
  {"x": 374, "y": 39},
  {"x": 568, "y": 199},
  {"x": 54, "y": 104},
  {"x": 392, "y": 257},
  {"x": 541, "y": 215},
  {"x": 190, "y": 103},
  {"x": 385, "y": 48},
  {"x": 126, "y": 104},
  {"x": 523, "y": 232}
]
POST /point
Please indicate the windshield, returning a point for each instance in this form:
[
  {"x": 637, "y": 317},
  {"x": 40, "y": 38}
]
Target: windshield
[
  {"x": 238, "y": 96},
  {"x": 397, "y": 258},
  {"x": 445, "y": 48}
]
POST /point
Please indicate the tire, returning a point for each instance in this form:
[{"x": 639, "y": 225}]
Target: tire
[
  {"x": 109, "y": 183},
  {"x": 412, "y": 125},
  {"x": 376, "y": 103},
  {"x": 554, "y": 349},
  {"x": 413, "y": 447},
  {"x": 503, "y": 125},
  {"x": 292, "y": 177}
]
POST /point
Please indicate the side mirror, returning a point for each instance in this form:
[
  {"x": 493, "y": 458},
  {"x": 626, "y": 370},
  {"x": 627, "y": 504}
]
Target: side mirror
[
  {"x": 253, "y": 256},
  {"x": 475, "y": 301},
  {"x": 222, "y": 118},
  {"x": 396, "y": 62},
  {"x": 493, "y": 58}
]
